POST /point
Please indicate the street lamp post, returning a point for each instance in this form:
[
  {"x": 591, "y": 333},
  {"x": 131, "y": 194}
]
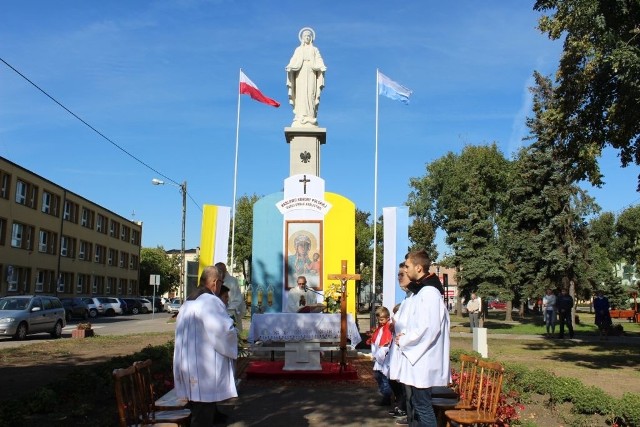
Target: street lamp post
[{"x": 183, "y": 190}]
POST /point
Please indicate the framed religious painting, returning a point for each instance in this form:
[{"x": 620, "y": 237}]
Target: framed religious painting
[{"x": 303, "y": 253}]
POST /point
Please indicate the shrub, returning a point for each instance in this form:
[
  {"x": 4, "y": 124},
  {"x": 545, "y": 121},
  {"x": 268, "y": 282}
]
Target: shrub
[
  {"x": 593, "y": 400},
  {"x": 628, "y": 410},
  {"x": 564, "y": 389}
]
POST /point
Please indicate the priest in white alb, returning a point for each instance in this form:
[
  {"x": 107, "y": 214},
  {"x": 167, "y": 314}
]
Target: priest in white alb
[
  {"x": 300, "y": 296},
  {"x": 206, "y": 345}
]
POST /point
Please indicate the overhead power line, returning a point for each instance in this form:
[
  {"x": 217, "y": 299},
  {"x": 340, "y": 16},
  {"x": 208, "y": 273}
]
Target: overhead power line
[{"x": 103, "y": 136}]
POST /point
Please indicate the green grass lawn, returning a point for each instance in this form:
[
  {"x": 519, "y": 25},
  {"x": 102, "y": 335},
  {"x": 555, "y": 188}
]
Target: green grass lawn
[{"x": 532, "y": 324}]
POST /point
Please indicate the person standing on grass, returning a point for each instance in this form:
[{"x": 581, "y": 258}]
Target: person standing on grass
[
  {"x": 549, "y": 311},
  {"x": 473, "y": 308},
  {"x": 424, "y": 342},
  {"x": 603, "y": 317},
  {"x": 206, "y": 346},
  {"x": 564, "y": 304}
]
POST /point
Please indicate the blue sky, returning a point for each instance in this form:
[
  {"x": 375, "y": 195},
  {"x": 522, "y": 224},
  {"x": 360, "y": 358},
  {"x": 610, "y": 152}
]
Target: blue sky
[{"x": 160, "y": 79}]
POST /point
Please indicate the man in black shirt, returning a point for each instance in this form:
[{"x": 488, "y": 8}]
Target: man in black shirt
[{"x": 564, "y": 304}]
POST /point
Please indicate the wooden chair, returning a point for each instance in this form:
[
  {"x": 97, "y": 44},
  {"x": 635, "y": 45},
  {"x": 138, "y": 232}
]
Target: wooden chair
[
  {"x": 486, "y": 399},
  {"x": 171, "y": 413},
  {"x": 465, "y": 392},
  {"x": 133, "y": 407}
]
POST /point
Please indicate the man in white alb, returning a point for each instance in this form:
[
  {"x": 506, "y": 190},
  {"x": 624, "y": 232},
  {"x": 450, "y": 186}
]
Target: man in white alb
[
  {"x": 236, "y": 307},
  {"x": 424, "y": 340},
  {"x": 206, "y": 345}
]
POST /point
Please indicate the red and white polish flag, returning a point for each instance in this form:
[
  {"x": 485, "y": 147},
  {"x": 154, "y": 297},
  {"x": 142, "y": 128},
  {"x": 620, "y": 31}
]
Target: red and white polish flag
[{"x": 247, "y": 87}]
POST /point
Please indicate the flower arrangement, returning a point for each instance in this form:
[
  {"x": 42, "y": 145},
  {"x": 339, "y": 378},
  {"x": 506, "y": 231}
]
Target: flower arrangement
[{"x": 332, "y": 295}]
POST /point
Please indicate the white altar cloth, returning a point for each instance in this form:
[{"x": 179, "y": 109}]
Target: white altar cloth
[
  {"x": 293, "y": 327},
  {"x": 302, "y": 334}
]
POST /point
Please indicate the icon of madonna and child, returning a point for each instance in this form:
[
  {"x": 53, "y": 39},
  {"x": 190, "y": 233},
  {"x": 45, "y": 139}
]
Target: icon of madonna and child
[{"x": 304, "y": 253}]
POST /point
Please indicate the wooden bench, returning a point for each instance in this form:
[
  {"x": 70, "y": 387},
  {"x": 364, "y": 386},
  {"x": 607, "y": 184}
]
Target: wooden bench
[{"x": 623, "y": 314}]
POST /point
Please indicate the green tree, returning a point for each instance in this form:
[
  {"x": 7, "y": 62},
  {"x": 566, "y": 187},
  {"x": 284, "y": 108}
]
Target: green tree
[
  {"x": 597, "y": 100},
  {"x": 156, "y": 261},
  {"x": 244, "y": 233},
  {"x": 628, "y": 233},
  {"x": 364, "y": 244},
  {"x": 548, "y": 240},
  {"x": 464, "y": 194}
]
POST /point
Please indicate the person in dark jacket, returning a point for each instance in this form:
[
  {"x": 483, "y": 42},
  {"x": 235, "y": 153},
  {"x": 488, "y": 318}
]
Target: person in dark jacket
[{"x": 564, "y": 304}]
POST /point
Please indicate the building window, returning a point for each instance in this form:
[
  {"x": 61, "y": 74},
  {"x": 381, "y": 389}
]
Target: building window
[
  {"x": 134, "y": 261},
  {"x": 5, "y": 184},
  {"x": 22, "y": 236},
  {"x": 84, "y": 251},
  {"x": 99, "y": 254},
  {"x": 135, "y": 237},
  {"x": 21, "y": 192},
  {"x": 133, "y": 285},
  {"x": 112, "y": 257},
  {"x": 47, "y": 242},
  {"x": 111, "y": 285},
  {"x": 67, "y": 246},
  {"x": 44, "y": 279},
  {"x": 101, "y": 224},
  {"x": 3, "y": 231},
  {"x": 26, "y": 194},
  {"x": 97, "y": 284},
  {"x": 125, "y": 232},
  {"x": 124, "y": 260},
  {"x": 50, "y": 203},
  {"x": 82, "y": 281},
  {"x": 70, "y": 211},
  {"x": 122, "y": 284},
  {"x": 114, "y": 228},
  {"x": 18, "y": 277},
  {"x": 12, "y": 278},
  {"x": 64, "y": 280},
  {"x": 87, "y": 218}
]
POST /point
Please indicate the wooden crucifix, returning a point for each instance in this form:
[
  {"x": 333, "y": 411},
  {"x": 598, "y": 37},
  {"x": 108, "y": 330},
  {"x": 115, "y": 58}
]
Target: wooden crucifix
[{"x": 343, "y": 277}]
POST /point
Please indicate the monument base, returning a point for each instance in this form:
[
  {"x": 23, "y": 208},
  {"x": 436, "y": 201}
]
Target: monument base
[{"x": 304, "y": 151}]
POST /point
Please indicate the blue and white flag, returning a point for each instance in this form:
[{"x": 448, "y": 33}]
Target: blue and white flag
[{"x": 393, "y": 90}]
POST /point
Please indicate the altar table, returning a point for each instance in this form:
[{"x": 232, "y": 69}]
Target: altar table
[{"x": 302, "y": 334}]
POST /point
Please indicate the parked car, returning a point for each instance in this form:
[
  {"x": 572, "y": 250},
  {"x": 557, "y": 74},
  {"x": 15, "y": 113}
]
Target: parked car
[
  {"x": 174, "y": 305},
  {"x": 134, "y": 306},
  {"x": 156, "y": 303},
  {"x": 75, "y": 307},
  {"x": 109, "y": 306},
  {"x": 147, "y": 307},
  {"x": 497, "y": 305},
  {"x": 24, "y": 315},
  {"x": 93, "y": 305}
]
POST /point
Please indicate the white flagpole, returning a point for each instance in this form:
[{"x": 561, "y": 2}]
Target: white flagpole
[
  {"x": 375, "y": 204},
  {"x": 235, "y": 182}
]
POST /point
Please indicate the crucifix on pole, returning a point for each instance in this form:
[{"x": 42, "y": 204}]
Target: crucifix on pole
[{"x": 343, "y": 277}]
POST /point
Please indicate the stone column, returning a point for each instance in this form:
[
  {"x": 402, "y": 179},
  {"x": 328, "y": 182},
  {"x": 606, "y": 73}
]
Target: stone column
[{"x": 304, "y": 149}]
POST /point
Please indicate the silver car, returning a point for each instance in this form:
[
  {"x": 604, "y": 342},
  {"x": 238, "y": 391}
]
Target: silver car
[{"x": 22, "y": 315}]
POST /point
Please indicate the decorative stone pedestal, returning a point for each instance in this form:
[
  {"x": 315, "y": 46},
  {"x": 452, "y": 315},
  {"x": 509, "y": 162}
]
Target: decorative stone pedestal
[
  {"x": 480, "y": 341},
  {"x": 81, "y": 333},
  {"x": 304, "y": 152}
]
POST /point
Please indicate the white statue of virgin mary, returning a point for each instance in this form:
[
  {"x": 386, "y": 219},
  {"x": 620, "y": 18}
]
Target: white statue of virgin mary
[{"x": 305, "y": 80}]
